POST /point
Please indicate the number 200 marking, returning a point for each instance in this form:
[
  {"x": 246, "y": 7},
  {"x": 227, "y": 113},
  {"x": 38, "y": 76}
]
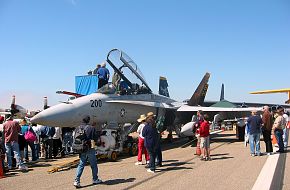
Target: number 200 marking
[{"x": 96, "y": 103}]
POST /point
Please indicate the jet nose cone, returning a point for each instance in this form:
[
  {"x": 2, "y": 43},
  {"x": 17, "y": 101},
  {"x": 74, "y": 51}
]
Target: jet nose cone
[{"x": 61, "y": 115}]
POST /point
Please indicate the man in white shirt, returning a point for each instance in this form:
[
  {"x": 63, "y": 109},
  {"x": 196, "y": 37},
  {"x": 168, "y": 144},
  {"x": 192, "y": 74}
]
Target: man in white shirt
[{"x": 141, "y": 147}]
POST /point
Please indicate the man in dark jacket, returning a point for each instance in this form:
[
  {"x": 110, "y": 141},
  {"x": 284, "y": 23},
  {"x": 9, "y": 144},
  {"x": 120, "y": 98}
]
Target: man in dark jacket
[
  {"x": 150, "y": 135},
  {"x": 267, "y": 119}
]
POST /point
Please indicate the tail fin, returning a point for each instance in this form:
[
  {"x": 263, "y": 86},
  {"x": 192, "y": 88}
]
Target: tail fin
[
  {"x": 222, "y": 93},
  {"x": 13, "y": 108},
  {"x": 198, "y": 97},
  {"x": 45, "y": 106},
  {"x": 163, "y": 87}
]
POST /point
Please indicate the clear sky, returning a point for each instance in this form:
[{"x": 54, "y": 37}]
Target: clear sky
[{"x": 243, "y": 44}]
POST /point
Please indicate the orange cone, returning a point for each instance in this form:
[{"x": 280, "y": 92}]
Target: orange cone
[
  {"x": 274, "y": 140},
  {"x": 198, "y": 150}
]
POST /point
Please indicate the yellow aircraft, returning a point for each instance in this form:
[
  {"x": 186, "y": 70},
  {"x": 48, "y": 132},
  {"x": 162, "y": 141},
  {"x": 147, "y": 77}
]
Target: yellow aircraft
[{"x": 285, "y": 90}]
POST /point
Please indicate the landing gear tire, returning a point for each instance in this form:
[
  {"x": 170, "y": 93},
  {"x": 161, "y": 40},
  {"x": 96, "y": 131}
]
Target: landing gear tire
[
  {"x": 133, "y": 150},
  {"x": 113, "y": 156}
]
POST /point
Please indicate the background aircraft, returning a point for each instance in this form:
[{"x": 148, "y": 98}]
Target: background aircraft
[
  {"x": 16, "y": 110},
  {"x": 285, "y": 90}
]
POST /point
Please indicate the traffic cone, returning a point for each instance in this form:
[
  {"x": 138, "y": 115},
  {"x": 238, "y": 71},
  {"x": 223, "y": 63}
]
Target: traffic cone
[
  {"x": 198, "y": 150},
  {"x": 1, "y": 169},
  {"x": 274, "y": 140}
]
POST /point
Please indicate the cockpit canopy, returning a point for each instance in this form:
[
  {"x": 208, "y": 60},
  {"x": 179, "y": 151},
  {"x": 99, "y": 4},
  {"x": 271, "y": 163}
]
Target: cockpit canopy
[{"x": 127, "y": 76}]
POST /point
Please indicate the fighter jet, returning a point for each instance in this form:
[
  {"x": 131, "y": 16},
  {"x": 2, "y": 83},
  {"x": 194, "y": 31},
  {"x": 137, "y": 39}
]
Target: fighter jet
[
  {"x": 15, "y": 110},
  {"x": 121, "y": 101}
]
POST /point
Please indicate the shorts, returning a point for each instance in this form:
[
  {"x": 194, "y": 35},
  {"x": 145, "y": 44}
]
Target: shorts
[{"x": 204, "y": 142}]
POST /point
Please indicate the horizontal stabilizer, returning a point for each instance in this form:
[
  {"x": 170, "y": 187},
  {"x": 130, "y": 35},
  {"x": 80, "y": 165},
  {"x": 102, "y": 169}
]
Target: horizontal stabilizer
[{"x": 70, "y": 93}]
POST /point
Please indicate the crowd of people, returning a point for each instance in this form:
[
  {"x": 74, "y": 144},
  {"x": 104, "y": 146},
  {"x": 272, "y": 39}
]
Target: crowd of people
[
  {"x": 22, "y": 142},
  {"x": 272, "y": 124}
]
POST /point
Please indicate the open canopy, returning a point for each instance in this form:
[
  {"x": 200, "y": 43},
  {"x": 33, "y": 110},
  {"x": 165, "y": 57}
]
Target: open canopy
[{"x": 127, "y": 71}]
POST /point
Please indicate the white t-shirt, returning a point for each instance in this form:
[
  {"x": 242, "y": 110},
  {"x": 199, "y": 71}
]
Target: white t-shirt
[
  {"x": 140, "y": 129},
  {"x": 57, "y": 134}
]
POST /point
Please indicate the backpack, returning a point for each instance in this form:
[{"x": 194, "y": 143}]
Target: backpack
[
  {"x": 30, "y": 135},
  {"x": 80, "y": 144}
]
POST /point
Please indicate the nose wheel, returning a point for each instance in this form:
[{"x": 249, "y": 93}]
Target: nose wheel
[{"x": 113, "y": 156}]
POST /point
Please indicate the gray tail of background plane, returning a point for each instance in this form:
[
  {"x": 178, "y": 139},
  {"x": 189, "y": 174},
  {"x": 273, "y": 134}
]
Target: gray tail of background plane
[
  {"x": 163, "y": 87},
  {"x": 222, "y": 93},
  {"x": 198, "y": 96}
]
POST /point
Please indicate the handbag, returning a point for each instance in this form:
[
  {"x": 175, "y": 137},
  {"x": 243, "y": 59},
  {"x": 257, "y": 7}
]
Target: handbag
[{"x": 30, "y": 136}]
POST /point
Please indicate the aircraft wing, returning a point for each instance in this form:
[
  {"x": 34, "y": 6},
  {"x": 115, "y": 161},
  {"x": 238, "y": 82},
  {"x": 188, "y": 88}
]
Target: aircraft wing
[
  {"x": 217, "y": 109},
  {"x": 144, "y": 103},
  {"x": 284, "y": 90},
  {"x": 4, "y": 113}
]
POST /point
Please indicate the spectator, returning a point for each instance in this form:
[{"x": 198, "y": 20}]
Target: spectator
[
  {"x": 286, "y": 129},
  {"x": 255, "y": 123},
  {"x": 11, "y": 129},
  {"x": 57, "y": 142},
  {"x": 90, "y": 154},
  {"x": 46, "y": 134},
  {"x": 36, "y": 129},
  {"x": 267, "y": 119},
  {"x": 277, "y": 129},
  {"x": 141, "y": 147},
  {"x": 204, "y": 138},
  {"x": 96, "y": 69},
  {"x": 150, "y": 135},
  {"x": 24, "y": 129},
  {"x": 103, "y": 75}
]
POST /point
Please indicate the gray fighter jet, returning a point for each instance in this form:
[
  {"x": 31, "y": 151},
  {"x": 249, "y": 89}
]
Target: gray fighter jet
[{"x": 122, "y": 101}]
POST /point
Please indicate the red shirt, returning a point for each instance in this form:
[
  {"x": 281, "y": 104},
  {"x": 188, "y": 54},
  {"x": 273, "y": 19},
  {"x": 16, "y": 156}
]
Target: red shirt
[
  {"x": 204, "y": 129},
  {"x": 11, "y": 130}
]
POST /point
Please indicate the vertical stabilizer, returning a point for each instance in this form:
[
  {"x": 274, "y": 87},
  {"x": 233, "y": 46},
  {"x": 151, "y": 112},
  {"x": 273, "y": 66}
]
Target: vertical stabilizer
[
  {"x": 45, "y": 106},
  {"x": 222, "y": 93},
  {"x": 163, "y": 87},
  {"x": 13, "y": 108},
  {"x": 198, "y": 97}
]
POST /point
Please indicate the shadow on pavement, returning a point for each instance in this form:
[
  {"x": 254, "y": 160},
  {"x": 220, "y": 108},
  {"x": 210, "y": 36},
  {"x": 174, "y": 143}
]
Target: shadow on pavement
[
  {"x": 222, "y": 158},
  {"x": 175, "y": 166},
  {"x": 212, "y": 155},
  {"x": 118, "y": 181}
]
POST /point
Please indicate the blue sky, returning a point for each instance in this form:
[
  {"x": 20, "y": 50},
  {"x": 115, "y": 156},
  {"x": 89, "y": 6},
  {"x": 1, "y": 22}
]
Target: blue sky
[{"x": 243, "y": 44}]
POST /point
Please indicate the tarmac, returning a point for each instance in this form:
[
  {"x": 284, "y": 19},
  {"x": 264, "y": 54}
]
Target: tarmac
[{"x": 231, "y": 167}]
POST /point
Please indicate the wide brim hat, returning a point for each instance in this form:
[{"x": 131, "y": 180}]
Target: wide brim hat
[
  {"x": 150, "y": 114},
  {"x": 141, "y": 118}
]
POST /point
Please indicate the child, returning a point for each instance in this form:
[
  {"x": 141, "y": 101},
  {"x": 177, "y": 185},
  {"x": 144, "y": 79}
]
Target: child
[{"x": 204, "y": 139}]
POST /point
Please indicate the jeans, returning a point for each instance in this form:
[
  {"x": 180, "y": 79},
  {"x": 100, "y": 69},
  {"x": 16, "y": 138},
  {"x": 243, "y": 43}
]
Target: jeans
[
  {"x": 279, "y": 137},
  {"x": 285, "y": 137},
  {"x": 152, "y": 154},
  {"x": 31, "y": 145},
  {"x": 37, "y": 150},
  {"x": 13, "y": 146},
  {"x": 91, "y": 156},
  {"x": 255, "y": 143}
]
